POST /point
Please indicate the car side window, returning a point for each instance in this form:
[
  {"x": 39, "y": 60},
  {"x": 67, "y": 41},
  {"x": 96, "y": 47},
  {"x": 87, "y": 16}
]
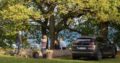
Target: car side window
[
  {"x": 101, "y": 41},
  {"x": 111, "y": 42}
]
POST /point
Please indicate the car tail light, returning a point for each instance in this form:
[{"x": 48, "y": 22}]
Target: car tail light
[
  {"x": 75, "y": 43},
  {"x": 92, "y": 46},
  {"x": 92, "y": 43}
]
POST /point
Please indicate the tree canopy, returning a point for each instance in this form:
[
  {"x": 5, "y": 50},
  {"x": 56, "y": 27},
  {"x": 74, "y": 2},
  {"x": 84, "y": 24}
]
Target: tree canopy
[{"x": 57, "y": 15}]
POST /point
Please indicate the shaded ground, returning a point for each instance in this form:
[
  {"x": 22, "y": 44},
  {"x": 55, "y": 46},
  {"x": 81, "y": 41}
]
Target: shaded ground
[{"x": 8, "y": 59}]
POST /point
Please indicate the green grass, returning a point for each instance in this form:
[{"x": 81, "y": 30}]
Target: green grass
[{"x": 8, "y": 59}]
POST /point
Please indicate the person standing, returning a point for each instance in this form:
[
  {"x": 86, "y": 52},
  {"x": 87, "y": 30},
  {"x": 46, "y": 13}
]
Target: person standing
[
  {"x": 44, "y": 44},
  {"x": 62, "y": 44},
  {"x": 56, "y": 44}
]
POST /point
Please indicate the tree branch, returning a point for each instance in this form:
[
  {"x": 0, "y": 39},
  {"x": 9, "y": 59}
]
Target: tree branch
[{"x": 74, "y": 30}]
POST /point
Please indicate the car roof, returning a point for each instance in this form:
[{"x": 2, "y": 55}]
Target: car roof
[{"x": 87, "y": 37}]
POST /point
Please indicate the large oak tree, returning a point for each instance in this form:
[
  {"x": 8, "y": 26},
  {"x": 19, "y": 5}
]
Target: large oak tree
[{"x": 57, "y": 15}]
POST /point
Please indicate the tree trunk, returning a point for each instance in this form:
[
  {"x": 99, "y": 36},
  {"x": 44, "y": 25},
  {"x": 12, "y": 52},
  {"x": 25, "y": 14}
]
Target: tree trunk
[
  {"x": 44, "y": 32},
  {"x": 18, "y": 42},
  {"x": 104, "y": 30},
  {"x": 52, "y": 32}
]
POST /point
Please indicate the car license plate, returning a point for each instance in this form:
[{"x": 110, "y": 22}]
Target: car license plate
[{"x": 81, "y": 48}]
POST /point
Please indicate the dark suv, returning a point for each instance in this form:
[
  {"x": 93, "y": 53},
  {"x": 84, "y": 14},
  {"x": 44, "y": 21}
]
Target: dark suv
[{"x": 96, "y": 47}]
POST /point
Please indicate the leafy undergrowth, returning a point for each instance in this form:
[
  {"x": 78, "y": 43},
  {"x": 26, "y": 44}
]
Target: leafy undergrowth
[{"x": 9, "y": 59}]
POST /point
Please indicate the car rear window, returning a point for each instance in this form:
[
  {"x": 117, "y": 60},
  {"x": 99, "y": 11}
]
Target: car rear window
[{"x": 84, "y": 41}]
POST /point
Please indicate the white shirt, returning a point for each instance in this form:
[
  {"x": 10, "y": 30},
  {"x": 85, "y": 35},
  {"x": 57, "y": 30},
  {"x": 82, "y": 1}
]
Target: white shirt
[{"x": 62, "y": 44}]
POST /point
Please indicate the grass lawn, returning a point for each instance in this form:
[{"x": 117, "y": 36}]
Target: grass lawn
[{"x": 8, "y": 59}]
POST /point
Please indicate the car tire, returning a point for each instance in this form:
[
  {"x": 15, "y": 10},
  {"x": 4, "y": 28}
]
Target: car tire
[
  {"x": 99, "y": 55},
  {"x": 75, "y": 56},
  {"x": 114, "y": 54}
]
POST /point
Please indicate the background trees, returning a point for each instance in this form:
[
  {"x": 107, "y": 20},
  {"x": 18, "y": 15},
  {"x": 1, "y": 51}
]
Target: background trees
[
  {"x": 98, "y": 10},
  {"x": 14, "y": 17},
  {"x": 57, "y": 15}
]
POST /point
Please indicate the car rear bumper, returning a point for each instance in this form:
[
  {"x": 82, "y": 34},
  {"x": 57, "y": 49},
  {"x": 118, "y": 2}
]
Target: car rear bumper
[{"x": 83, "y": 54}]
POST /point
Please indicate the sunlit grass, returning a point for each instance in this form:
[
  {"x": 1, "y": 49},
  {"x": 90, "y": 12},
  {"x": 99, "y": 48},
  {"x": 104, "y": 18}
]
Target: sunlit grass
[{"x": 9, "y": 59}]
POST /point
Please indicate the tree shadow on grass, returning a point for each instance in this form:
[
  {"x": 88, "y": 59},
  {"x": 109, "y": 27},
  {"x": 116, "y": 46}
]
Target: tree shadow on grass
[
  {"x": 91, "y": 59},
  {"x": 83, "y": 58}
]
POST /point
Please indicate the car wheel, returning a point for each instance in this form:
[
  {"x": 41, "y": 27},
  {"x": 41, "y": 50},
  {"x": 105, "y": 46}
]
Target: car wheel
[
  {"x": 75, "y": 56},
  {"x": 99, "y": 55},
  {"x": 114, "y": 54}
]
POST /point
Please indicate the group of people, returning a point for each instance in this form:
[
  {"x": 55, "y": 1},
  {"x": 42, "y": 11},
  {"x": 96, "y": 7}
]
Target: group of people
[
  {"x": 60, "y": 44},
  {"x": 57, "y": 44}
]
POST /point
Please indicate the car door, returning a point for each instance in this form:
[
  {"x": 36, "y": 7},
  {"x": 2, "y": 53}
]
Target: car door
[
  {"x": 104, "y": 45},
  {"x": 112, "y": 47},
  {"x": 107, "y": 48}
]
